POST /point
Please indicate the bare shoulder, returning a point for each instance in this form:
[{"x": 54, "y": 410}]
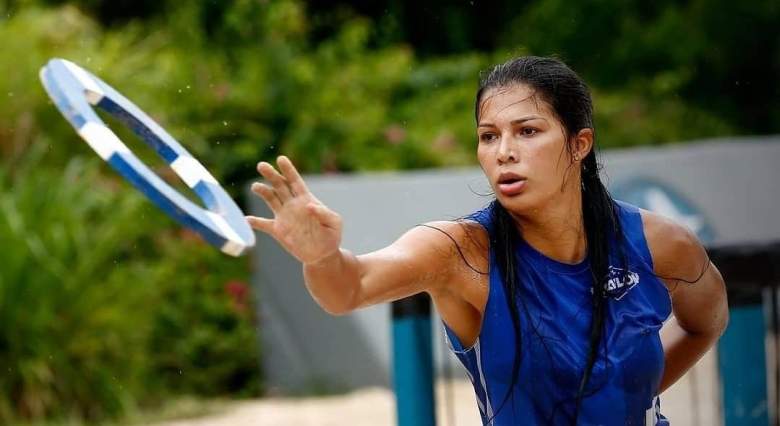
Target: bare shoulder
[
  {"x": 699, "y": 299},
  {"x": 432, "y": 256},
  {"x": 462, "y": 297},
  {"x": 461, "y": 262},
  {"x": 676, "y": 251},
  {"x": 465, "y": 243}
]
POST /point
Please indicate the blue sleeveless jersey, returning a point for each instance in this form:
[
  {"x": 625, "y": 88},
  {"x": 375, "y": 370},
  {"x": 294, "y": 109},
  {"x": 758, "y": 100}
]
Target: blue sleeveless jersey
[{"x": 555, "y": 313}]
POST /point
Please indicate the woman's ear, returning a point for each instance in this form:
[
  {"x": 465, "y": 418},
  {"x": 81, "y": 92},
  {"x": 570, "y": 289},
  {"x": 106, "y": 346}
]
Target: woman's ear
[{"x": 583, "y": 144}]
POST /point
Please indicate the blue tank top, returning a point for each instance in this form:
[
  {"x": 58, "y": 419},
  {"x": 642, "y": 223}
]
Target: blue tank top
[{"x": 555, "y": 315}]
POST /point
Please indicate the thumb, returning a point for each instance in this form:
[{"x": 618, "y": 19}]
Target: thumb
[
  {"x": 261, "y": 223},
  {"x": 326, "y": 216}
]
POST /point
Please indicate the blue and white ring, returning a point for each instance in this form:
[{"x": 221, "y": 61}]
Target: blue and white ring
[{"x": 75, "y": 91}]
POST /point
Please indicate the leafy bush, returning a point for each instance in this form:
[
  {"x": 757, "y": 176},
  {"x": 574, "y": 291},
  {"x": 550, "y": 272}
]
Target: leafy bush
[
  {"x": 71, "y": 337},
  {"x": 201, "y": 340},
  {"x": 102, "y": 299}
]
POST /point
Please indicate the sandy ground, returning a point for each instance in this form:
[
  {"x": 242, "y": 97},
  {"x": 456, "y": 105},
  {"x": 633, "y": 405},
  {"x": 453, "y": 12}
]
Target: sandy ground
[
  {"x": 694, "y": 400},
  {"x": 365, "y": 407}
]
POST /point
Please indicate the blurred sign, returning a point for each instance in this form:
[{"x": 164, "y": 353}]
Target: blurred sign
[{"x": 652, "y": 195}]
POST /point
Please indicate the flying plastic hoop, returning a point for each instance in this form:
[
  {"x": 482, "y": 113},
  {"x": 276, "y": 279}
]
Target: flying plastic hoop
[{"x": 76, "y": 91}]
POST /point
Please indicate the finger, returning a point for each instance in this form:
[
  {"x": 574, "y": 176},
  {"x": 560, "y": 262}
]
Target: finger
[
  {"x": 260, "y": 223},
  {"x": 290, "y": 173},
  {"x": 326, "y": 216},
  {"x": 268, "y": 195},
  {"x": 277, "y": 181}
]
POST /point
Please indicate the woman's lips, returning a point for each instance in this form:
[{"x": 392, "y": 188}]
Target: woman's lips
[{"x": 512, "y": 188}]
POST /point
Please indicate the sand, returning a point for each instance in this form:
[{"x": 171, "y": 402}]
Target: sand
[{"x": 365, "y": 407}]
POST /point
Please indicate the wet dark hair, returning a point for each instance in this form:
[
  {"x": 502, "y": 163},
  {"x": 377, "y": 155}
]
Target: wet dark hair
[{"x": 569, "y": 99}]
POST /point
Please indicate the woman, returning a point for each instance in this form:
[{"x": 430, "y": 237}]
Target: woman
[{"x": 514, "y": 282}]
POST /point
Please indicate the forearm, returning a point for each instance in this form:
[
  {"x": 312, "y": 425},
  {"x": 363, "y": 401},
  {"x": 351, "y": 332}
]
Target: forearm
[
  {"x": 334, "y": 281},
  {"x": 682, "y": 349}
]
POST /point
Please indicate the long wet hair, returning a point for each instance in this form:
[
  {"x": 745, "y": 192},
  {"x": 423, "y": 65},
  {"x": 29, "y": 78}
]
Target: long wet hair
[{"x": 569, "y": 99}]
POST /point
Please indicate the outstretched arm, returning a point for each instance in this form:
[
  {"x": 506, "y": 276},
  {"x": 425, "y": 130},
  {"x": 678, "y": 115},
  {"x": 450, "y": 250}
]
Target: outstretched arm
[
  {"x": 698, "y": 295},
  {"x": 422, "y": 260},
  {"x": 415, "y": 263}
]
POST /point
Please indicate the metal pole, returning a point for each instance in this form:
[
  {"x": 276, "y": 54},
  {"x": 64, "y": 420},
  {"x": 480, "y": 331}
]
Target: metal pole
[{"x": 413, "y": 361}]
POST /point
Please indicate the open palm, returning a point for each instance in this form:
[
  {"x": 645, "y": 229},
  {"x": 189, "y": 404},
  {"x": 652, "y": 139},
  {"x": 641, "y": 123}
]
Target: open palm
[{"x": 304, "y": 226}]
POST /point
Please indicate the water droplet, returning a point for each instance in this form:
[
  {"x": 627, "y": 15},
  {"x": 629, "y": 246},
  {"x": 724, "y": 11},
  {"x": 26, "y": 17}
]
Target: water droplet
[
  {"x": 217, "y": 142},
  {"x": 224, "y": 123},
  {"x": 188, "y": 87},
  {"x": 10, "y": 94},
  {"x": 89, "y": 59},
  {"x": 179, "y": 90}
]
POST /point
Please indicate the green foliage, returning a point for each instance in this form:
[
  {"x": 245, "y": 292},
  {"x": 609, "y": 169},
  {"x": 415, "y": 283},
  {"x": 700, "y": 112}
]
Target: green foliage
[
  {"x": 710, "y": 60},
  {"x": 100, "y": 300},
  {"x": 202, "y": 341},
  {"x": 79, "y": 289},
  {"x": 66, "y": 344}
]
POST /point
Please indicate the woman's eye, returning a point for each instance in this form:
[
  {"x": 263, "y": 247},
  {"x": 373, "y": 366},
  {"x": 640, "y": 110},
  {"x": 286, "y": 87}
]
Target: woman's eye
[
  {"x": 487, "y": 137},
  {"x": 528, "y": 131}
]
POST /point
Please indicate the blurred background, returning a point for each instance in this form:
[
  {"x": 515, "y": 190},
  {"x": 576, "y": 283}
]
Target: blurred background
[{"x": 112, "y": 313}]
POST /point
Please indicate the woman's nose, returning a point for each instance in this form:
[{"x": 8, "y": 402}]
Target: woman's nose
[{"x": 506, "y": 151}]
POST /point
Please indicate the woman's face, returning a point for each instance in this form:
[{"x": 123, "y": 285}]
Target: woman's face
[{"x": 521, "y": 148}]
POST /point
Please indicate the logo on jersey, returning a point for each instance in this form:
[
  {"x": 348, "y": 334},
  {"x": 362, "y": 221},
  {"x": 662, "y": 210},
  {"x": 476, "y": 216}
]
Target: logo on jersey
[{"x": 619, "y": 282}]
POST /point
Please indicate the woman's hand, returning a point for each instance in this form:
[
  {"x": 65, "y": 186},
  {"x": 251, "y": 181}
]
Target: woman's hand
[
  {"x": 304, "y": 226},
  {"x": 421, "y": 260}
]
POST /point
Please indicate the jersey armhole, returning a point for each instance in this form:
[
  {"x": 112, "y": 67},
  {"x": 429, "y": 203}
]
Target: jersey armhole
[
  {"x": 454, "y": 343},
  {"x": 643, "y": 247},
  {"x": 639, "y": 241}
]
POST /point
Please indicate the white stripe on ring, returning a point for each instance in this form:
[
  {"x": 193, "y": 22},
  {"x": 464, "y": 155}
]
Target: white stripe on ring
[
  {"x": 102, "y": 139},
  {"x": 191, "y": 171},
  {"x": 223, "y": 226},
  {"x": 232, "y": 248}
]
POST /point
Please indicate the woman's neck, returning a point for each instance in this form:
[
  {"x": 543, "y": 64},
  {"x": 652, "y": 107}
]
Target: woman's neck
[{"x": 557, "y": 230}]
